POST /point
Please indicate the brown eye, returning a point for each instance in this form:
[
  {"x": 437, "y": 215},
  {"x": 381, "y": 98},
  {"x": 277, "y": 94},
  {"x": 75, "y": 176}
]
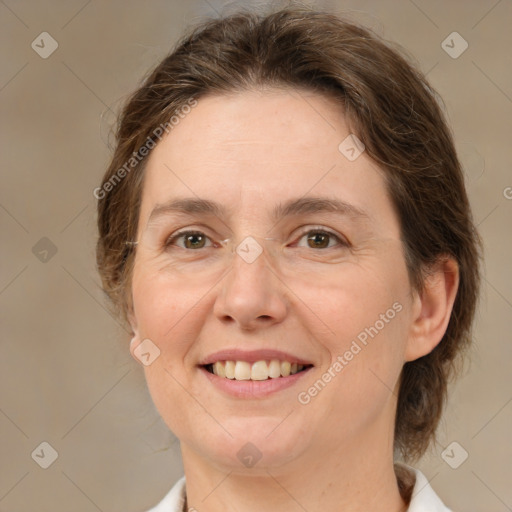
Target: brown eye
[
  {"x": 194, "y": 241},
  {"x": 321, "y": 239},
  {"x": 318, "y": 240},
  {"x": 191, "y": 240}
]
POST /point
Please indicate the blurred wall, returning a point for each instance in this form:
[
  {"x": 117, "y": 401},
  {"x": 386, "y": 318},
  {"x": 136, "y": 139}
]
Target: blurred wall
[{"x": 66, "y": 376}]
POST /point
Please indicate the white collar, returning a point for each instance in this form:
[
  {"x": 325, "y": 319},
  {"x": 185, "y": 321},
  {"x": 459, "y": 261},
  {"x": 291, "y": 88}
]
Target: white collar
[{"x": 423, "y": 498}]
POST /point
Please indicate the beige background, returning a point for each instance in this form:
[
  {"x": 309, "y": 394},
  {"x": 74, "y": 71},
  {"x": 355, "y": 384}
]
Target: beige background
[{"x": 65, "y": 372}]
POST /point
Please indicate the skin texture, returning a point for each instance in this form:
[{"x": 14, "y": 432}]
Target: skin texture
[{"x": 250, "y": 151}]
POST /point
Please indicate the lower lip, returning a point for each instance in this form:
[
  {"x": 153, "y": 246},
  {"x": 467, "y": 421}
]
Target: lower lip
[{"x": 253, "y": 388}]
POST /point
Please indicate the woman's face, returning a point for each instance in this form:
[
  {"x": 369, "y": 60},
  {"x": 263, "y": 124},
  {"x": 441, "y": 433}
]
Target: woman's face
[{"x": 328, "y": 291}]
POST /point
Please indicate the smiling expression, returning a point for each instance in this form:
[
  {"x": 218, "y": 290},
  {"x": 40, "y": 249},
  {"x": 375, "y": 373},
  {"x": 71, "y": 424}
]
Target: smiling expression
[{"x": 265, "y": 170}]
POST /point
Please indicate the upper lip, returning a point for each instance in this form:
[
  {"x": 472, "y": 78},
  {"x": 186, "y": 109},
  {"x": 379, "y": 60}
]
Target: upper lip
[{"x": 251, "y": 356}]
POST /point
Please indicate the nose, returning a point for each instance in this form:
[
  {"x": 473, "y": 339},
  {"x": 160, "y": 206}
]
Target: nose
[{"x": 252, "y": 295}]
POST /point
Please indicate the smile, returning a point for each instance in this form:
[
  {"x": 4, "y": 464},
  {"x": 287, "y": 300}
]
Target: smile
[{"x": 256, "y": 371}]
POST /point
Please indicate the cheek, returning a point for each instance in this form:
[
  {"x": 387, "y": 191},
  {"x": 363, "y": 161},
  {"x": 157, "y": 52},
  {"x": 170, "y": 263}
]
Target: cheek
[
  {"x": 160, "y": 302},
  {"x": 164, "y": 314},
  {"x": 357, "y": 298},
  {"x": 367, "y": 317}
]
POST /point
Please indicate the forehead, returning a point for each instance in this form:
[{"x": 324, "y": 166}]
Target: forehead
[
  {"x": 254, "y": 149},
  {"x": 270, "y": 123}
]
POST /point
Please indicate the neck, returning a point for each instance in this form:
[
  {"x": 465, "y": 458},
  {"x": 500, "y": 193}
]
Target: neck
[{"x": 345, "y": 479}]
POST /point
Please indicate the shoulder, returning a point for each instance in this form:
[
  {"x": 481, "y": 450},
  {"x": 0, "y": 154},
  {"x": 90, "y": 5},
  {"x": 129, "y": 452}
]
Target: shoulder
[
  {"x": 174, "y": 500},
  {"x": 422, "y": 497}
]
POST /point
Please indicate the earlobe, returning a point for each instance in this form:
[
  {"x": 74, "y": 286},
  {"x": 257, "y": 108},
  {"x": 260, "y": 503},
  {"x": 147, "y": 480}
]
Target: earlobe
[
  {"x": 134, "y": 344},
  {"x": 135, "y": 341},
  {"x": 432, "y": 308}
]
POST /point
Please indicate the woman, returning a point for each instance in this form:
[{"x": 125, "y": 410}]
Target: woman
[{"x": 285, "y": 229}]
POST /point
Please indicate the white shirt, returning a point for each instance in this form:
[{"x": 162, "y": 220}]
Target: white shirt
[{"x": 423, "y": 498}]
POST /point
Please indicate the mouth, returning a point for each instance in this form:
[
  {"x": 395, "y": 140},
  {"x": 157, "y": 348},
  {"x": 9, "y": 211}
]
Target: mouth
[
  {"x": 253, "y": 374},
  {"x": 255, "y": 371}
]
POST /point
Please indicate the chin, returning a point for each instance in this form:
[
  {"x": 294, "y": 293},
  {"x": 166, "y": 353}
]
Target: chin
[{"x": 257, "y": 445}]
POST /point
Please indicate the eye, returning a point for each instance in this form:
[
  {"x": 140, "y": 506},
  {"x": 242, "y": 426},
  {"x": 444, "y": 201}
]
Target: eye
[
  {"x": 315, "y": 239},
  {"x": 191, "y": 240},
  {"x": 321, "y": 239}
]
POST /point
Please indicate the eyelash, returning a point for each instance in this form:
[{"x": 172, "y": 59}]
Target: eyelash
[{"x": 317, "y": 230}]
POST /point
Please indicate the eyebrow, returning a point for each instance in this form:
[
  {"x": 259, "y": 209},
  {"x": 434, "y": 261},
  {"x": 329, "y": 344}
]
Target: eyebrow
[{"x": 299, "y": 206}]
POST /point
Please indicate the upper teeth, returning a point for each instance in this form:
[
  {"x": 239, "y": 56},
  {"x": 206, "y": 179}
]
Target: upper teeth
[{"x": 260, "y": 370}]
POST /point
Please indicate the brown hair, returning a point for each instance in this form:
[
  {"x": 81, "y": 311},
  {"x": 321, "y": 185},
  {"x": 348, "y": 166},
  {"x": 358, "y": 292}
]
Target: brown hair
[{"x": 390, "y": 107}]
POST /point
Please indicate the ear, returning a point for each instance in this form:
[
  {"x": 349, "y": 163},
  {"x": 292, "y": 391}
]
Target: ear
[
  {"x": 135, "y": 341},
  {"x": 432, "y": 308}
]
